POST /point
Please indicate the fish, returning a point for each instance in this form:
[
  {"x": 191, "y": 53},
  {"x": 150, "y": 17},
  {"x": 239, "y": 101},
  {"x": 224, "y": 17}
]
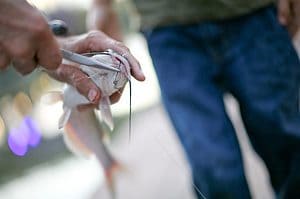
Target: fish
[
  {"x": 83, "y": 133},
  {"x": 107, "y": 81}
]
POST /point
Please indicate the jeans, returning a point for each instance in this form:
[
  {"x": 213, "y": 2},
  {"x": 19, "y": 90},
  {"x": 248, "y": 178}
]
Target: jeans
[{"x": 252, "y": 58}]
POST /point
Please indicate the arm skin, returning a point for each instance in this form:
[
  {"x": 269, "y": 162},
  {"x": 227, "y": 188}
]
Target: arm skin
[
  {"x": 102, "y": 16},
  {"x": 27, "y": 41},
  {"x": 25, "y": 38},
  {"x": 289, "y": 15}
]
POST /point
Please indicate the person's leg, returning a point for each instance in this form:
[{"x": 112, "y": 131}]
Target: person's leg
[
  {"x": 263, "y": 73},
  {"x": 195, "y": 106}
]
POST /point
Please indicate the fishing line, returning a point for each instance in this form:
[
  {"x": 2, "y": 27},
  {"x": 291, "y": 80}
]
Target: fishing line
[
  {"x": 178, "y": 165},
  {"x": 130, "y": 100},
  {"x": 156, "y": 137},
  {"x": 130, "y": 109}
]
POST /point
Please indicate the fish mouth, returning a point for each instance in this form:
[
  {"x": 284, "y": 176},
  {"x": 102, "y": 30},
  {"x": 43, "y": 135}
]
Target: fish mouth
[{"x": 90, "y": 54}]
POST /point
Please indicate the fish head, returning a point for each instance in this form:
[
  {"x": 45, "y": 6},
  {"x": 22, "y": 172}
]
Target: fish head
[{"x": 108, "y": 81}]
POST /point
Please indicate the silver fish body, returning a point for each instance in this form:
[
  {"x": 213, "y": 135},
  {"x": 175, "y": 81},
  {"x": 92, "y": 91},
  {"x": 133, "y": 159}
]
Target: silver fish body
[
  {"x": 84, "y": 134},
  {"x": 82, "y": 131}
]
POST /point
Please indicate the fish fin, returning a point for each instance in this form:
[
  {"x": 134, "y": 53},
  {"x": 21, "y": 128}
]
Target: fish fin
[
  {"x": 106, "y": 114},
  {"x": 106, "y": 138},
  {"x": 64, "y": 118},
  {"x": 52, "y": 97},
  {"x": 73, "y": 143}
]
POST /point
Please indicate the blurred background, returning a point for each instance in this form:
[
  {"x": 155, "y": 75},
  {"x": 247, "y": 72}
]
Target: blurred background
[{"x": 35, "y": 164}]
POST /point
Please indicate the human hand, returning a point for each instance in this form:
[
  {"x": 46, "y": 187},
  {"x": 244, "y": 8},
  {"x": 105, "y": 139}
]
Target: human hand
[
  {"x": 102, "y": 16},
  {"x": 289, "y": 14},
  {"x": 25, "y": 38},
  {"x": 92, "y": 42}
]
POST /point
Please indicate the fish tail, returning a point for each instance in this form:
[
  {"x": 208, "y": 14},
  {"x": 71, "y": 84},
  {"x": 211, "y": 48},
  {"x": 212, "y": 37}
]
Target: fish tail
[
  {"x": 110, "y": 174},
  {"x": 106, "y": 115},
  {"x": 52, "y": 97}
]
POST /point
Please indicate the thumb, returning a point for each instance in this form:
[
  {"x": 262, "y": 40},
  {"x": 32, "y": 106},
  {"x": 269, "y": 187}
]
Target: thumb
[{"x": 284, "y": 12}]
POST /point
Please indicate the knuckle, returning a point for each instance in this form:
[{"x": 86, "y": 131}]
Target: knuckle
[
  {"x": 53, "y": 63},
  {"x": 50, "y": 59},
  {"x": 95, "y": 40},
  {"x": 22, "y": 52},
  {"x": 77, "y": 79},
  {"x": 121, "y": 45},
  {"x": 40, "y": 27},
  {"x": 64, "y": 73},
  {"x": 92, "y": 35}
]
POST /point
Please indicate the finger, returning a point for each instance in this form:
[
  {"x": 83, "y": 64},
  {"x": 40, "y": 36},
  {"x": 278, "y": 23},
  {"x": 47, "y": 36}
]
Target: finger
[
  {"x": 75, "y": 77},
  {"x": 4, "y": 60},
  {"x": 48, "y": 52},
  {"x": 24, "y": 66},
  {"x": 135, "y": 65},
  {"x": 284, "y": 12},
  {"x": 115, "y": 97},
  {"x": 96, "y": 44}
]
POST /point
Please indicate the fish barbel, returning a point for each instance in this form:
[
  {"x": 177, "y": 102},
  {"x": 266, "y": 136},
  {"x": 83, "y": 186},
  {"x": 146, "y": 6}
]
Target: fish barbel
[{"x": 83, "y": 133}]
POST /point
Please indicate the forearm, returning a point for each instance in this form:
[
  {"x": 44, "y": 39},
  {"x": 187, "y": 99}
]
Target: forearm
[
  {"x": 102, "y": 16},
  {"x": 25, "y": 38},
  {"x": 102, "y": 2}
]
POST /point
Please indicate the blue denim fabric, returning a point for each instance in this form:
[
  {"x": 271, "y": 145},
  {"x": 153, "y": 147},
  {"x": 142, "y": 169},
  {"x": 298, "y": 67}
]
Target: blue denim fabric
[{"x": 252, "y": 58}]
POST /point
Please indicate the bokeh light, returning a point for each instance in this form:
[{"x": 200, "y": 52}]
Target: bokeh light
[
  {"x": 10, "y": 116},
  {"x": 38, "y": 86},
  {"x": 44, "y": 81},
  {"x": 34, "y": 132},
  {"x": 25, "y": 135},
  {"x": 22, "y": 103},
  {"x": 17, "y": 141}
]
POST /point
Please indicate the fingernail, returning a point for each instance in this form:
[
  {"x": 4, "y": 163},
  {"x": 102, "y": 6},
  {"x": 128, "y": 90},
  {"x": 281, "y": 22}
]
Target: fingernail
[
  {"x": 143, "y": 76},
  {"x": 92, "y": 95},
  {"x": 141, "y": 73}
]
